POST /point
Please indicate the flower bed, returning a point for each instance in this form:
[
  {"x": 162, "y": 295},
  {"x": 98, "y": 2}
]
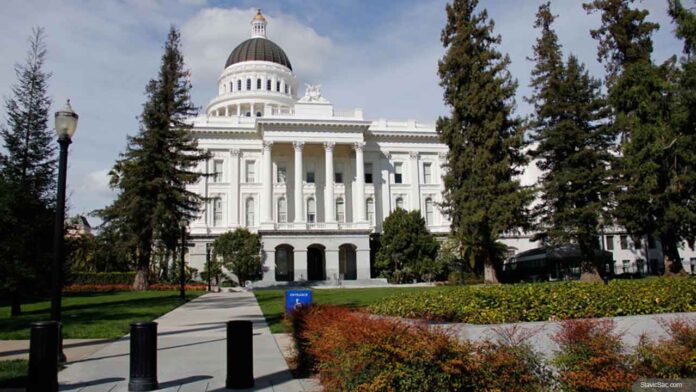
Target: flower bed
[
  {"x": 359, "y": 352},
  {"x": 106, "y": 288},
  {"x": 544, "y": 301}
]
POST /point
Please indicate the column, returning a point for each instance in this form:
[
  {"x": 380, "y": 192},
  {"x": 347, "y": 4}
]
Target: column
[
  {"x": 300, "y": 260},
  {"x": 415, "y": 181},
  {"x": 329, "y": 202},
  {"x": 299, "y": 174},
  {"x": 386, "y": 197},
  {"x": 332, "y": 269},
  {"x": 233, "y": 202},
  {"x": 238, "y": 105},
  {"x": 227, "y": 111},
  {"x": 207, "y": 216},
  {"x": 359, "y": 183},
  {"x": 267, "y": 182}
]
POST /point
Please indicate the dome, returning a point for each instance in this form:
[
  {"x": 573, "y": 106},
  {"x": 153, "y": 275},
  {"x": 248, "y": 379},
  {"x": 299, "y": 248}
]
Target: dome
[{"x": 258, "y": 49}]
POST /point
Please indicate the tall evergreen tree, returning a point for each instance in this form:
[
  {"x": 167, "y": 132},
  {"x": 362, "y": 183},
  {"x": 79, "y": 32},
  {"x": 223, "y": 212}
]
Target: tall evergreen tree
[
  {"x": 158, "y": 164},
  {"x": 684, "y": 119},
  {"x": 653, "y": 164},
  {"x": 28, "y": 175},
  {"x": 481, "y": 196},
  {"x": 572, "y": 148}
]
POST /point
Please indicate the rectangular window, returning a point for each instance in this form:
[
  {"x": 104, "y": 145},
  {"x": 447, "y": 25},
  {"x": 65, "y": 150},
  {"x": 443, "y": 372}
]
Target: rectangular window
[
  {"x": 626, "y": 266},
  {"x": 281, "y": 175},
  {"x": 217, "y": 211},
  {"x": 310, "y": 174},
  {"x": 427, "y": 173},
  {"x": 338, "y": 174},
  {"x": 217, "y": 170},
  {"x": 250, "y": 171},
  {"x": 368, "y": 173},
  {"x": 268, "y": 84},
  {"x": 640, "y": 263},
  {"x": 398, "y": 172},
  {"x": 278, "y": 86},
  {"x": 624, "y": 241},
  {"x": 610, "y": 242}
]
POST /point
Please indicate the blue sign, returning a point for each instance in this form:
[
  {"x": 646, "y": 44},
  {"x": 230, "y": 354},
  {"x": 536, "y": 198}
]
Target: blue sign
[{"x": 297, "y": 298}]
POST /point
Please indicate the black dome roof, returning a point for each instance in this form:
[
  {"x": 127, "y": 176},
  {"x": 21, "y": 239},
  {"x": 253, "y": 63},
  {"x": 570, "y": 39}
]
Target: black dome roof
[{"x": 258, "y": 49}]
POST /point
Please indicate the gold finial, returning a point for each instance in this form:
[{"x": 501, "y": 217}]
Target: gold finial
[{"x": 259, "y": 16}]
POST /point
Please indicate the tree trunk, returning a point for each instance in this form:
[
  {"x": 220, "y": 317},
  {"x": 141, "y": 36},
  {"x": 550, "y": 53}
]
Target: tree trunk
[
  {"x": 16, "y": 307},
  {"x": 490, "y": 275},
  {"x": 141, "y": 281},
  {"x": 673, "y": 265}
]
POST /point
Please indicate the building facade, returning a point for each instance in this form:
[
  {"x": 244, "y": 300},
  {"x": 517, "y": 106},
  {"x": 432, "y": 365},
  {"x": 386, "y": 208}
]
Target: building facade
[{"x": 315, "y": 182}]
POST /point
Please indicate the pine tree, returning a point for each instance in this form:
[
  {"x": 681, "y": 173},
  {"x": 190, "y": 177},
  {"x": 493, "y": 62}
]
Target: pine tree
[
  {"x": 481, "y": 196},
  {"x": 572, "y": 148},
  {"x": 28, "y": 176},
  {"x": 158, "y": 164},
  {"x": 654, "y": 158},
  {"x": 684, "y": 121}
]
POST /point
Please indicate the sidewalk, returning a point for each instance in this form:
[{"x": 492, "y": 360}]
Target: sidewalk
[
  {"x": 191, "y": 351},
  {"x": 74, "y": 349}
]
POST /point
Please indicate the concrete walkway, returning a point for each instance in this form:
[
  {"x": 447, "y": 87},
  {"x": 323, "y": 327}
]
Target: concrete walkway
[
  {"x": 74, "y": 349},
  {"x": 540, "y": 333},
  {"x": 191, "y": 351}
]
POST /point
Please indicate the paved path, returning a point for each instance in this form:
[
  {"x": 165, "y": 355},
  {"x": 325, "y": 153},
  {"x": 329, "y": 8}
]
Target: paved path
[
  {"x": 191, "y": 351},
  {"x": 631, "y": 327},
  {"x": 74, "y": 349}
]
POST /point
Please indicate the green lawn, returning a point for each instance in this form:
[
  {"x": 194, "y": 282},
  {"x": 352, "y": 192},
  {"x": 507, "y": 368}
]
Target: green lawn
[
  {"x": 98, "y": 315},
  {"x": 13, "y": 373},
  {"x": 272, "y": 301}
]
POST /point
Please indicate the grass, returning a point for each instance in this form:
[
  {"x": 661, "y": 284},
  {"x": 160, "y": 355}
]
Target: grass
[
  {"x": 272, "y": 301},
  {"x": 94, "y": 315},
  {"x": 13, "y": 373}
]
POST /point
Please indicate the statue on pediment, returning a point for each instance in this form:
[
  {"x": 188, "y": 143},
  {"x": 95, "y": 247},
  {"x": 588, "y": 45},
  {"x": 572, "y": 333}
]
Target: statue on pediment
[{"x": 313, "y": 94}]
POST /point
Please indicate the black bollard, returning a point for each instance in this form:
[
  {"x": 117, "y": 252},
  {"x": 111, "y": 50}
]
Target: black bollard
[
  {"x": 43, "y": 357},
  {"x": 240, "y": 357},
  {"x": 143, "y": 356}
]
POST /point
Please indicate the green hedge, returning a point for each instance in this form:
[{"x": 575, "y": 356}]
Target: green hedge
[
  {"x": 544, "y": 301},
  {"x": 102, "y": 278}
]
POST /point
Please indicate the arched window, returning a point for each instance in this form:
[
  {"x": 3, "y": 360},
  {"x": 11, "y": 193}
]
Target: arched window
[
  {"x": 258, "y": 84},
  {"x": 286, "y": 89},
  {"x": 231, "y": 86},
  {"x": 429, "y": 211},
  {"x": 282, "y": 210},
  {"x": 311, "y": 211},
  {"x": 370, "y": 210},
  {"x": 340, "y": 210},
  {"x": 278, "y": 86},
  {"x": 268, "y": 84},
  {"x": 399, "y": 202},
  {"x": 250, "y": 212},
  {"x": 239, "y": 85},
  {"x": 248, "y": 84}
]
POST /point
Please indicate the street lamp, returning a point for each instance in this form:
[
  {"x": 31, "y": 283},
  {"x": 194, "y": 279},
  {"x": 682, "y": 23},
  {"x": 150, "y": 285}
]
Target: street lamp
[
  {"x": 207, "y": 262},
  {"x": 66, "y": 124},
  {"x": 182, "y": 274}
]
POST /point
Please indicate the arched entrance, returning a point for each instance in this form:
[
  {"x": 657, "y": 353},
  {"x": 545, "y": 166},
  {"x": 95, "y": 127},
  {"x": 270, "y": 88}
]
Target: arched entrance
[
  {"x": 347, "y": 266},
  {"x": 284, "y": 263},
  {"x": 316, "y": 263}
]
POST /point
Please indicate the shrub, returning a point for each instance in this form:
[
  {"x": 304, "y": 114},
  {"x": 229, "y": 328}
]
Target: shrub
[
  {"x": 96, "y": 278},
  {"x": 670, "y": 357},
  {"x": 543, "y": 301},
  {"x": 591, "y": 357},
  {"x": 355, "y": 351},
  {"x": 106, "y": 288}
]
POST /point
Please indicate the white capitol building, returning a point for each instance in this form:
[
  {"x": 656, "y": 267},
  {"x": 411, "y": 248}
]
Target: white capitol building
[{"x": 315, "y": 182}]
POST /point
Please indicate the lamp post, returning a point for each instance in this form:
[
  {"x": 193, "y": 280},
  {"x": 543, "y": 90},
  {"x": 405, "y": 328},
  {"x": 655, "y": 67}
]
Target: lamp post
[
  {"x": 66, "y": 124},
  {"x": 182, "y": 272},
  {"x": 207, "y": 261}
]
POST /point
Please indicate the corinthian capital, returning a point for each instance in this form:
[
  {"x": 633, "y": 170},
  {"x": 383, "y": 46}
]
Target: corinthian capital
[
  {"x": 267, "y": 144},
  {"x": 329, "y": 146},
  {"x": 298, "y": 145},
  {"x": 358, "y": 146}
]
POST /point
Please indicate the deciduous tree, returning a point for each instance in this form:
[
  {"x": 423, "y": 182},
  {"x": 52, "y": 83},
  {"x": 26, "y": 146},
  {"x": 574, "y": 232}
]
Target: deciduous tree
[{"x": 240, "y": 251}]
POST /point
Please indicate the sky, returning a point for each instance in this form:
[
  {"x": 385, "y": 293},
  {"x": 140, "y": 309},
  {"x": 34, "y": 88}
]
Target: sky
[{"x": 379, "y": 55}]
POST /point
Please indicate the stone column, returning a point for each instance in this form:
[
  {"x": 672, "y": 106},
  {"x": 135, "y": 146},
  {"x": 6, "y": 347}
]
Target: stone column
[
  {"x": 329, "y": 202},
  {"x": 204, "y": 182},
  {"x": 300, "y": 261},
  {"x": 415, "y": 181},
  {"x": 299, "y": 174},
  {"x": 227, "y": 111},
  {"x": 267, "y": 182},
  {"x": 233, "y": 201},
  {"x": 332, "y": 269},
  {"x": 359, "y": 215}
]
